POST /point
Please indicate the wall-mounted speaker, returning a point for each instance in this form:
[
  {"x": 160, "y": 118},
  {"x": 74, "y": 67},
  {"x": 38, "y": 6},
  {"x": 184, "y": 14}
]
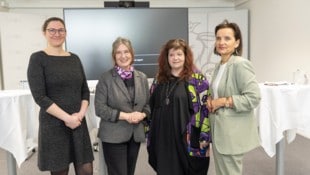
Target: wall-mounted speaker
[{"x": 126, "y": 4}]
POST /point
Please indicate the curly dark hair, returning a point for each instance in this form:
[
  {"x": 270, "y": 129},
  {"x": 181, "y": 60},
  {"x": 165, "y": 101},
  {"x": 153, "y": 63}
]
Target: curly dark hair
[{"x": 164, "y": 72}]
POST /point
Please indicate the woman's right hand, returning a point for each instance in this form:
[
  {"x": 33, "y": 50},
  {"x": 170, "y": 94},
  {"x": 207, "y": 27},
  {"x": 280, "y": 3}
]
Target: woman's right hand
[
  {"x": 132, "y": 117},
  {"x": 137, "y": 117},
  {"x": 73, "y": 121},
  {"x": 215, "y": 104},
  {"x": 209, "y": 104}
]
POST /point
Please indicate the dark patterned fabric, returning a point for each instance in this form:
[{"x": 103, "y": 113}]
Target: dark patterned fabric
[{"x": 60, "y": 80}]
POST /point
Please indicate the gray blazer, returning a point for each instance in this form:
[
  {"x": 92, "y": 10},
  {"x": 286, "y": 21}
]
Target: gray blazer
[
  {"x": 111, "y": 97},
  {"x": 235, "y": 130}
]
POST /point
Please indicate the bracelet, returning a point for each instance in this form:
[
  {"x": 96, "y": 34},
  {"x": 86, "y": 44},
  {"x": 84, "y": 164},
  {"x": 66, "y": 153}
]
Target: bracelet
[{"x": 227, "y": 105}]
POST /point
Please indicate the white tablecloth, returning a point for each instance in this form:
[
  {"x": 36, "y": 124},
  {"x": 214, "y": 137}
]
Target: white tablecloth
[
  {"x": 18, "y": 123},
  {"x": 283, "y": 111},
  {"x": 92, "y": 120}
]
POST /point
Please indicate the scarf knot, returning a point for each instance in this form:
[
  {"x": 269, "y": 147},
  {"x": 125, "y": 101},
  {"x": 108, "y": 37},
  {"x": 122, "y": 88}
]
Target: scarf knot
[{"x": 125, "y": 74}]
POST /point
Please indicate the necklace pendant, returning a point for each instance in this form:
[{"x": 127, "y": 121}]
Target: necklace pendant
[{"x": 167, "y": 101}]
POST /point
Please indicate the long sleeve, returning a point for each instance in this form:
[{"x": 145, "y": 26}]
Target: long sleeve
[
  {"x": 249, "y": 96},
  {"x": 36, "y": 80}
]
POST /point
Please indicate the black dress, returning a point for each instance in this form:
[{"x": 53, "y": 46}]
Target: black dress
[
  {"x": 166, "y": 147},
  {"x": 60, "y": 80}
]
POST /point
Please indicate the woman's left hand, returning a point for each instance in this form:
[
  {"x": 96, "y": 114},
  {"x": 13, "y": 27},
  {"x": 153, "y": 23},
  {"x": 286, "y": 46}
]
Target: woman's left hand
[
  {"x": 215, "y": 104},
  {"x": 137, "y": 117},
  {"x": 203, "y": 144},
  {"x": 79, "y": 115}
]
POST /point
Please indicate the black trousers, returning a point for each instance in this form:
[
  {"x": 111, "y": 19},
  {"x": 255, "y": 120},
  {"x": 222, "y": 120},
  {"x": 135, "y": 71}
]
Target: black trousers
[{"x": 121, "y": 158}]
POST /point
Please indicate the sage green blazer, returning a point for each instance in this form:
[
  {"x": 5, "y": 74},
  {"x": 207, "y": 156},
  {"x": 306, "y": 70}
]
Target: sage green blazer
[{"x": 235, "y": 130}]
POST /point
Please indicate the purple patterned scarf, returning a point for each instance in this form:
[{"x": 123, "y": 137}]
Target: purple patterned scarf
[{"x": 125, "y": 74}]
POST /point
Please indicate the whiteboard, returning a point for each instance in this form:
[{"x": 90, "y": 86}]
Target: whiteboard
[{"x": 20, "y": 35}]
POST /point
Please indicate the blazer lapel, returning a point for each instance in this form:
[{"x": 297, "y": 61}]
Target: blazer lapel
[
  {"x": 138, "y": 86},
  {"x": 227, "y": 74},
  {"x": 224, "y": 80}
]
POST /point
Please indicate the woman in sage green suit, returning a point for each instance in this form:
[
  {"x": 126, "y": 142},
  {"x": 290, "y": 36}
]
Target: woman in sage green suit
[{"x": 234, "y": 95}]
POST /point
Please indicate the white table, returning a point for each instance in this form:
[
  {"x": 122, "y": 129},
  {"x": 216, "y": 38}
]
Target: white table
[
  {"x": 18, "y": 126},
  {"x": 283, "y": 112}
]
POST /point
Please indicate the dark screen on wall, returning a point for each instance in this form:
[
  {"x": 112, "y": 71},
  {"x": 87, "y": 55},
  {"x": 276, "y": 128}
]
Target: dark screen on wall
[{"x": 91, "y": 32}]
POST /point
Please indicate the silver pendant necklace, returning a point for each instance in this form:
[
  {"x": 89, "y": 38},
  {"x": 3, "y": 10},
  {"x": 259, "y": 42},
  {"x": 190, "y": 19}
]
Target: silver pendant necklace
[{"x": 169, "y": 91}]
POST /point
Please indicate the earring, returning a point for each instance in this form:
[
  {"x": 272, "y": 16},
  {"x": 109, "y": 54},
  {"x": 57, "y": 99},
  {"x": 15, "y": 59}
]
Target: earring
[{"x": 236, "y": 52}]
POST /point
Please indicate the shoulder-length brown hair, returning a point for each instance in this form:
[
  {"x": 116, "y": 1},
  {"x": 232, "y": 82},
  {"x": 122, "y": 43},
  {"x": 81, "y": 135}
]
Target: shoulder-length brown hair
[
  {"x": 164, "y": 72},
  {"x": 121, "y": 40}
]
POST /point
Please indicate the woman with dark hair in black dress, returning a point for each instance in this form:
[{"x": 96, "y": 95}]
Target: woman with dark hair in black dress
[{"x": 58, "y": 85}]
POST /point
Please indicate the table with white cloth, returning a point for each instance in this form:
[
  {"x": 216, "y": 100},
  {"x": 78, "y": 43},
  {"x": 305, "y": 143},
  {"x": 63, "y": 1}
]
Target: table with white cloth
[
  {"x": 282, "y": 113},
  {"x": 18, "y": 126}
]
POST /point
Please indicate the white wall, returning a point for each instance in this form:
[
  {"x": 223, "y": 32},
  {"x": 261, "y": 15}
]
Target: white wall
[
  {"x": 279, "y": 37},
  {"x": 1, "y": 70}
]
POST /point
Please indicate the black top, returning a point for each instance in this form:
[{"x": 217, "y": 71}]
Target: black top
[
  {"x": 60, "y": 80},
  {"x": 167, "y": 150}
]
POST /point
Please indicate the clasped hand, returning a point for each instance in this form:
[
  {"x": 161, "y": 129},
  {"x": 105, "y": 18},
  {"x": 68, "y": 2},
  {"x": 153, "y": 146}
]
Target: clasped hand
[
  {"x": 214, "y": 104},
  {"x": 135, "y": 117},
  {"x": 74, "y": 120}
]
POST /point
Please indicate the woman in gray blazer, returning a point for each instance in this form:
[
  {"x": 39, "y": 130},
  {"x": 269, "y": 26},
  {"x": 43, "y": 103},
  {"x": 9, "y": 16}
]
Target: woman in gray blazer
[
  {"x": 121, "y": 101},
  {"x": 234, "y": 95}
]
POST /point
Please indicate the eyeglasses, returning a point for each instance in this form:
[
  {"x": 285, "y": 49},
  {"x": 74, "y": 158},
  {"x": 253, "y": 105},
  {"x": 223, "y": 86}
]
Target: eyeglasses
[{"x": 53, "y": 31}]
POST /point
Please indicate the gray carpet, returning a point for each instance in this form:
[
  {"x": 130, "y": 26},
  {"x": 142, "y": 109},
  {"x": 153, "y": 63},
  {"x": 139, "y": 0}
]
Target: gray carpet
[{"x": 256, "y": 162}]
